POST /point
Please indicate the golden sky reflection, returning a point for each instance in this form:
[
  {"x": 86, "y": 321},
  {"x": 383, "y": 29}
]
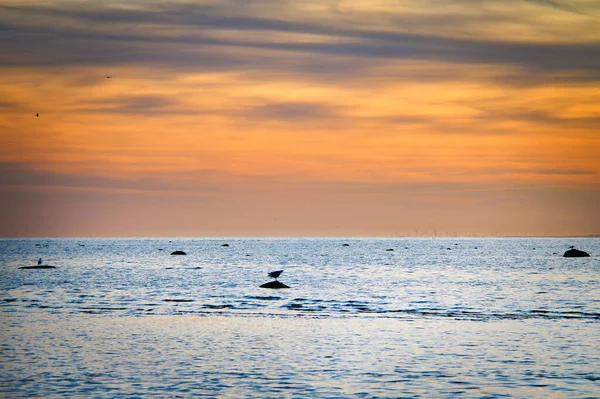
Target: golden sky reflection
[{"x": 299, "y": 118}]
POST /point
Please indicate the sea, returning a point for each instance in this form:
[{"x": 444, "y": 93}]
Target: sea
[{"x": 442, "y": 317}]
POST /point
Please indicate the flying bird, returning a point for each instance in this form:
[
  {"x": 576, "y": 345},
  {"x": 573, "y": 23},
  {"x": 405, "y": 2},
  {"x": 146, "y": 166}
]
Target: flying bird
[
  {"x": 275, "y": 274},
  {"x": 40, "y": 261}
]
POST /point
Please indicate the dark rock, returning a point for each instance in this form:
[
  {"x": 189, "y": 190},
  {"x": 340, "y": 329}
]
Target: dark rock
[
  {"x": 225, "y": 245},
  {"x": 38, "y": 267},
  {"x": 390, "y": 249},
  {"x": 575, "y": 253},
  {"x": 345, "y": 245},
  {"x": 178, "y": 253},
  {"x": 274, "y": 284}
]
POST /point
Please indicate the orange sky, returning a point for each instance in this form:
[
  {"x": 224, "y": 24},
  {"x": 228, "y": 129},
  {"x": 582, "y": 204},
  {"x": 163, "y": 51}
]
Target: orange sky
[{"x": 313, "y": 118}]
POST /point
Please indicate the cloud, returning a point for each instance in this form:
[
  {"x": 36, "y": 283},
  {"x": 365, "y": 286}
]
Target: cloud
[
  {"x": 318, "y": 98},
  {"x": 291, "y": 112},
  {"x": 184, "y": 35},
  {"x": 8, "y": 104},
  {"x": 554, "y": 172},
  {"x": 490, "y": 119},
  {"x": 134, "y": 104},
  {"x": 33, "y": 177}
]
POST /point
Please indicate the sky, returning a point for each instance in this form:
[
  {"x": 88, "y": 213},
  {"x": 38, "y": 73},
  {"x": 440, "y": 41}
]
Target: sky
[{"x": 299, "y": 118}]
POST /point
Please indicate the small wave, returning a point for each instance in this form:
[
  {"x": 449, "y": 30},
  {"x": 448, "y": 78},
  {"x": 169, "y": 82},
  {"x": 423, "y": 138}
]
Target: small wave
[
  {"x": 177, "y": 300},
  {"x": 305, "y": 307},
  {"x": 358, "y": 307},
  {"x": 208, "y": 306},
  {"x": 101, "y": 310},
  {"x": 485, "y": 316},
  {"x": 589, "y": 377},
  {"x": 264, "y": 298}
]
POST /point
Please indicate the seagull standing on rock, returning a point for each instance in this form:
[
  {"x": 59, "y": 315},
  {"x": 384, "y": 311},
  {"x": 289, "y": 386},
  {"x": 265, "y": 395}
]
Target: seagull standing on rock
[
  {"x": 274, "y": 284},
  {"x": 40, "y": 261},
  {"x": 275, "y": 274}
]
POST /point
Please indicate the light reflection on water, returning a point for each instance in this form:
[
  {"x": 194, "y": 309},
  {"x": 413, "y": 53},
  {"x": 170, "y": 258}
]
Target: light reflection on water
[
  {"x": 299, "y": 356},
  {"x": 118, "y": 318}
]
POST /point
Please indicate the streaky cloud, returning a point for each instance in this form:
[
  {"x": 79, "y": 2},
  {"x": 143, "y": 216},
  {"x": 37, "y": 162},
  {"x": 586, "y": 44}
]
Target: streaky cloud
[
  {"x": 197, "y": 44},
  {"x": 293, "y": 112},
  {"x": 137, "y": 104}
]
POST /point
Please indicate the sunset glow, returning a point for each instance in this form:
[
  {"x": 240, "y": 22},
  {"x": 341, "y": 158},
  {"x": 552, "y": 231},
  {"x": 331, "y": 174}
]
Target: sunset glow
[{"x": 276, "y": 118}]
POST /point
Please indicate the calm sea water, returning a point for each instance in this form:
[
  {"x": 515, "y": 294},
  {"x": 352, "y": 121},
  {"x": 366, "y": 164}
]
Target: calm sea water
[{"x": 434, "y": 318}]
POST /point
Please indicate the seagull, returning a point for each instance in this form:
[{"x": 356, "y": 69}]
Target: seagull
[
  {"x": 40, "y": 261},
  {"x": 572, "y": 246},
  {"x": 108, "y": 77},
  {"x": 275, "y": 274}
]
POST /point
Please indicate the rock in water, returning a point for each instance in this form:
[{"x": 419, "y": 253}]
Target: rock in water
[
  {"x": 575, "y": 253},
  {"x": 225, "y": 245},
  {"x": 38, "y": 267},
  {"x": 178, "y": 253},
  {"x": 274, "y": 284}
]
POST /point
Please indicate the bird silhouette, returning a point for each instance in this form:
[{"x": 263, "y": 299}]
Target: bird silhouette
[
  {"x": 275, "y": 274},
  {"x": 37, "y": 115},
  {"x": 40, "y": 261},
  {"x": 108, "y": 77}
]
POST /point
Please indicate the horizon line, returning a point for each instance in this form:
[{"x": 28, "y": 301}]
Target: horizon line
[{"x": 297, "y": 237}]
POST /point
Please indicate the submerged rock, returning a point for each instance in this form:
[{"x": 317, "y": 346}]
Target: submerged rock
[
  {"x": 178, "y": 253},
  {"x": 345, "y": 245},
  {"x": 390, "y": 249},
  {"x": 274, "y": 284},
  {"x": 38, "y": 267},
  {"x": 225, "y": 245},
  {"x": 575, "y": 253}
]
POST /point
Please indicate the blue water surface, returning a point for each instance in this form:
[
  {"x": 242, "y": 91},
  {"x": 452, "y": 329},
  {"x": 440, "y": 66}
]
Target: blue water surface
[{"x": 405, "y": 317}]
